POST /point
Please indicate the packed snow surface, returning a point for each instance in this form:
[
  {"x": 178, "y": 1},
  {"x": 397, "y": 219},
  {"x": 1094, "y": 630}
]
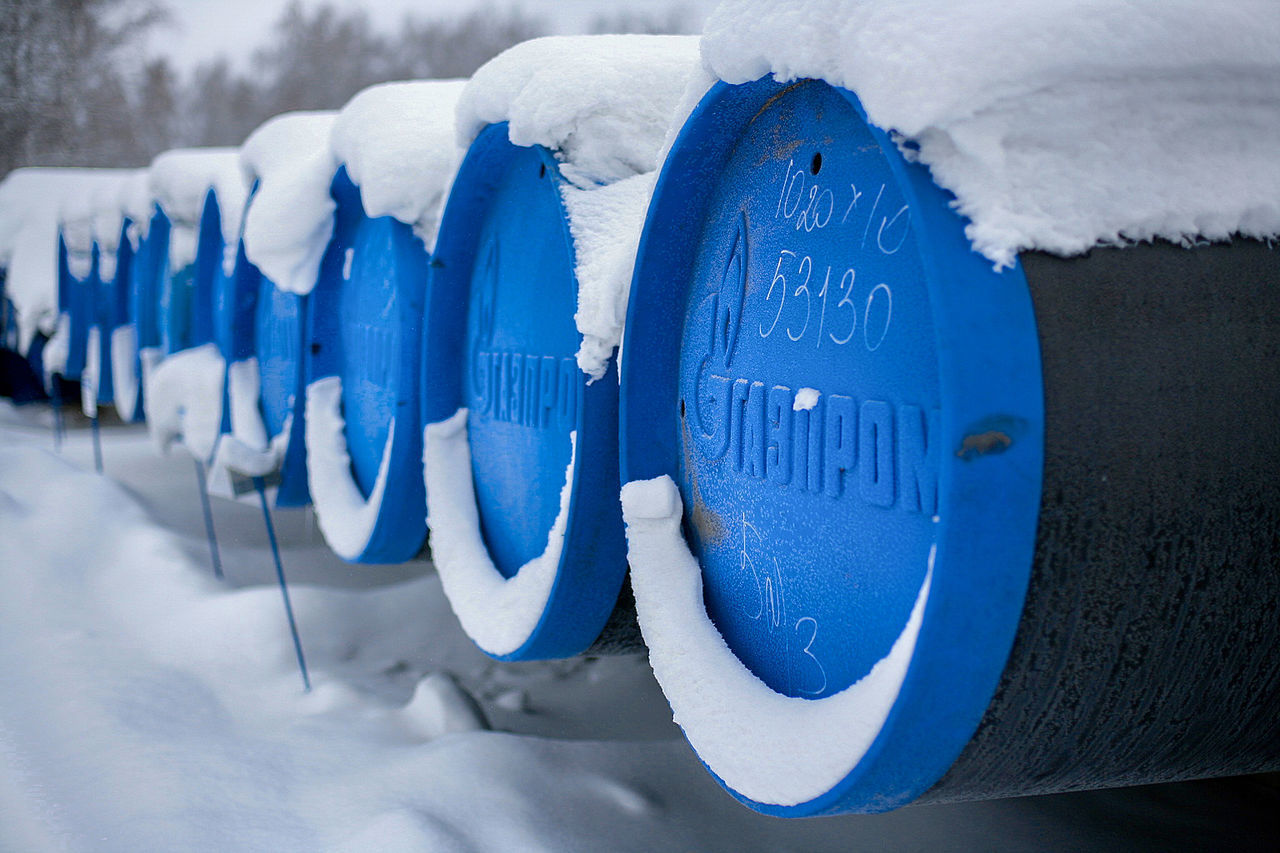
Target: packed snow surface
[
  {"x": 110, "y": 206},
  {"x": 1058, "y": 124},
  {"x": 31, "y": 203},
  {"x": 498, "y": 613},
  {"x": 397, "y": 142},
  {"x": 150, "y": 708},
  {"x": 602, "y": 103},
  {"x": 605, "y": 223},
  {"x": 180, "y": 180},
  {"x": 800, "y": 748},
  {"x": 57, "y": 348},
  {"x": 346, "y": 516},
  {"x": 183, "y": 400},
  {"x": 136, "y": 204},
  {"x": 290, "y": 219},
  {"x": 604, "y": 106},
  {"x": 125, "y": 379},
  {"x": 246, "y": 451},
  {"x": 91, "y": 376}
]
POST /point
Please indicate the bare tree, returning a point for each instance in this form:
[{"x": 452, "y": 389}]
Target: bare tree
[
  {"x": 675, "y": 22},
  {"x": 66, "y": 98},
  {"x": 60, "y": 90},
  {"x": 319, "y": 59},
  {"x": 456, "y": 48}
]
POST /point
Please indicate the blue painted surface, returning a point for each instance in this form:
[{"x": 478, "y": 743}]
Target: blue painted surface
[
  {"x": 120, "y": 313},
  {"x": 364, "y": 322},
  {"x": 279, "y": 334},
  {"x": 207, "y": 272},
  {"x": 104, "y": 317},
  {"x": 789, "y": 246},
  {"x": 234, "y": 309},
  {"x": 176, "y": 302},
  {"x": 79, "y": 306},
  {"x": 8, "y": 316},
  {"x": 145, "y": 280},
  {"x": 501, "y": 341}
]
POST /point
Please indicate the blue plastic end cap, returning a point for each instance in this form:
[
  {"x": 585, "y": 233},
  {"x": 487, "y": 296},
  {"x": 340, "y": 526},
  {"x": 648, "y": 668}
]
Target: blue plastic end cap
[
  {"x": 500, "y": 340},
  {"x": 845, "y": 394},
  {"x": 363, "y": 324}
]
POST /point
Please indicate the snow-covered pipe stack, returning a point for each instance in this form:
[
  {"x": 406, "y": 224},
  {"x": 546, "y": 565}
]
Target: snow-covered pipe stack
[
  {"x": 135, "y": 208},
  {"x": 916, "y": 510},
  {"x": 526, "y": 301},
  {"x": 200, "y": 193},
  {"x": 31, "y": 202},
  {"x": 188, "y": 185},
  {"x": 100, "y": 218},
  {"x": 393, "y": 150},
  {"x": 78, "y": 285},
  {"x": 259, "y": 325}
]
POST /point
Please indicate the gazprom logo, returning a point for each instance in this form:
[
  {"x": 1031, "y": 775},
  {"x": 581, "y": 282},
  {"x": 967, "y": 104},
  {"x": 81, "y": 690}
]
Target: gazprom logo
[
  {"x": 825, "y": 443},
  {"x": 528, "y": 389}
]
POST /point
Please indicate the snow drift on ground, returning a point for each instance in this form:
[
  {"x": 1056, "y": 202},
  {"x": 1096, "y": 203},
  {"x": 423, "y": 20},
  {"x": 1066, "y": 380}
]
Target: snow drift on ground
[
  {"x": 148, "y": 708},
  {"x": 603, "y": 105},
  {"x": 290, "y": 218},
  {"x": 31, "y": 202},
  {"x": 1058, "y": 124}
]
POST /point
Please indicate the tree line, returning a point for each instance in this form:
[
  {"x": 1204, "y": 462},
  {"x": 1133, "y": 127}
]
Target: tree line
[{"x": 74, "y": 90}]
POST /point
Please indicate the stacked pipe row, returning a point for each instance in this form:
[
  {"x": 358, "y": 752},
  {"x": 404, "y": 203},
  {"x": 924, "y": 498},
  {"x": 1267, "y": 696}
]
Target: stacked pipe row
[{"x": 901, "y": 526}]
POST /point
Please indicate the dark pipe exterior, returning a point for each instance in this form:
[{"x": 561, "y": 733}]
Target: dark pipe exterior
[{"x": 1149, "y": 646}]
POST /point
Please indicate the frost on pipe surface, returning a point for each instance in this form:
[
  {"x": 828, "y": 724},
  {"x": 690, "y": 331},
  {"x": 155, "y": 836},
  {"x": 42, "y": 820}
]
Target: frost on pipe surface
[
  {"x": 500, "y": 342},
  {"x": 810, "y": 340},
  {"x": 363, "y": 337}
]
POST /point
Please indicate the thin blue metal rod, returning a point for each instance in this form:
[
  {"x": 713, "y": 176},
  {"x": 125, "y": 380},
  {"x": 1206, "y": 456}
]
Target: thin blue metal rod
[
  {"x": 284, "y": 587},
  {"x": 55, "y": 402},
  {"x": 208, "y": 520},
  {"x": 97, "y": 445}
]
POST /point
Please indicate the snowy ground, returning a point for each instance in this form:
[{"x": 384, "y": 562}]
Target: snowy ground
[{"x": 146, "y": 706}]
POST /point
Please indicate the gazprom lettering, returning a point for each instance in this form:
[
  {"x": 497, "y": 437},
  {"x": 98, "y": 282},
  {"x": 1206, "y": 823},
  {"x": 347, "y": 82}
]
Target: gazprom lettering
[
  {"x": 885, "y": 454},
  {"x": 538, "y": 391}
]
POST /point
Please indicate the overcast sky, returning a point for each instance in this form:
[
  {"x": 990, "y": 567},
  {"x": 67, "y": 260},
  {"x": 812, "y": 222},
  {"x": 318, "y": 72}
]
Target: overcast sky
[{"x": 202, "y": 29}]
